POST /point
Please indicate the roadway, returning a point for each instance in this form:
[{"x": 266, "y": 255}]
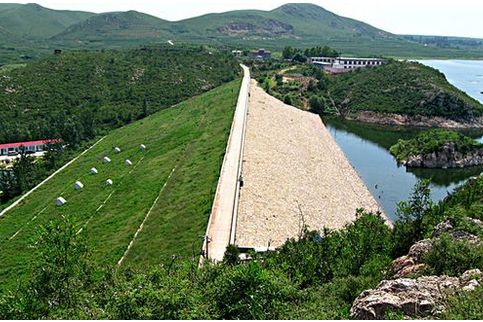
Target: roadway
[{"x": 219, "y": 230}]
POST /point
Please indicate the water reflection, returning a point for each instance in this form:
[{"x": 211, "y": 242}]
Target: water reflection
[{"x": 367, "y": 148}]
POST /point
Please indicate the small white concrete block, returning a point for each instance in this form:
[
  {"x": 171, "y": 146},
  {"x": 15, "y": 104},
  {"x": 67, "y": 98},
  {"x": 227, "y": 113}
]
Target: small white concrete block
[
  {"x": 109, "y": 182},
  {"x": 78, "y": 185},
  {"x": 128, "y": 163},
  {"x": 117, "y": 150},
  {"x": 107, "y": 160},
  {"x": 60, "y": 201},
  {"x": 142, "y": 147},
  {"x": 94, "y": 171}
]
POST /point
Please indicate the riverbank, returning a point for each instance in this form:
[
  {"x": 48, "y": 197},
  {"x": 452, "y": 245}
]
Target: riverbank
[
  {"x": 294, "y": 174},
  {"x": 414, "y": 121}
]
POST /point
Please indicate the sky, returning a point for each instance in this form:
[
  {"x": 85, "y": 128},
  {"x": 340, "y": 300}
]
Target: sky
[{"x": 423, "y": 17}]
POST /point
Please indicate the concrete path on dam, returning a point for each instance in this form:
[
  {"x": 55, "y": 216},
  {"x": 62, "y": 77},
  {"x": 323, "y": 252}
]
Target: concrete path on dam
[
  {"x": 221, "y": 219},
  {"x": 294, "y": 174}
]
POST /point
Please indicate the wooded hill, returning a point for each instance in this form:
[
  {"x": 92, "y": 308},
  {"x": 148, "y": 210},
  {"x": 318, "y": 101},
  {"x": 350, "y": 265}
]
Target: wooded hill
[
  {"x": 406, "y": 88},
  {"x": 76, "y": 95}
]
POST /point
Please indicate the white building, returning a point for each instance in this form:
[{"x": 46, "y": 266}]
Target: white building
[{"x": 344, "y": 64}]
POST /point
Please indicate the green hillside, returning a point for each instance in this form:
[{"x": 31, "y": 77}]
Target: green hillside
[
  {"x": 73, "y": 94},
  {"x": 34, "y": 21},
  {"x": 117, "y": 26},
  {"x": 404, "y": 88},
  {"x": 185, "y": 148},
  {"x": 290, "y": 21},
  {"x": 301, "y": 25},
  {"x": 291, "y": 24}
]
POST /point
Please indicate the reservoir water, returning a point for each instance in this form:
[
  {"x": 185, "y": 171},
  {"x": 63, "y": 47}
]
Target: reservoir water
[{"x": 367, "y": 146}]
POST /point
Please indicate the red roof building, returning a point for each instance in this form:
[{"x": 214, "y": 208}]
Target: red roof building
[{"x": 35, "y": 146}]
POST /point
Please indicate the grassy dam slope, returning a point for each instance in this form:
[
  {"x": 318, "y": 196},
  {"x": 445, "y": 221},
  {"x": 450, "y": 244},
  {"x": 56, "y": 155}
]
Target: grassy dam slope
[{"x": 179, "y": 170}]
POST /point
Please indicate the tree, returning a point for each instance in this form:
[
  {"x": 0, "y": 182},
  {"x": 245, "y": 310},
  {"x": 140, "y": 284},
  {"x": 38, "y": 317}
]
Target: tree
[
  {"x": 54, "y": 154},
  {"x": 287, "y": 100},
  {"x": 289, "y": 52},
  {"x": 62, "y": 270},
  {"x": 408, "y": 228},
  {"x": 299, "y": 58},
  {"x": 317, "y": 104},
  {"x": 279, "y": 79},
  {"x": 145, "y": 107}
]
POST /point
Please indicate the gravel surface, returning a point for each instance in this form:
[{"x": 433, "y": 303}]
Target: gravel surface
[{"x": 291, "y": 165}]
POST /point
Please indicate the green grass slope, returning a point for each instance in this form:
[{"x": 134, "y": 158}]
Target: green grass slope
[
  {"x": 187, "y": 140},
  {"x": 117, "y": 26},
  {"x": 403, "y": 88},
  {"x": 108, "y": 88},
  {"x": 34, "y": 21}
]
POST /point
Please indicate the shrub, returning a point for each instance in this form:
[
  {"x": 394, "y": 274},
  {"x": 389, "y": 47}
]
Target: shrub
[{"x": 452, "y": 257}]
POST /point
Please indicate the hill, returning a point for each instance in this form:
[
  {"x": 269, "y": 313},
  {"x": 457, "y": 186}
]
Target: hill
[
  {"x": 299, "y": 24},
  {"x": 419, "y": 93},
  {"x": 185, "y": 148},
  {"x": 73, "y": 94},
  {"x": 33, "y": 21},
  {"x": 291, "y": 21},
  {"x": 117, "y": 26}
]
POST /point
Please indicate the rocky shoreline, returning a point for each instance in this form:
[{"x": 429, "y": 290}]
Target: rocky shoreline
[
  {"x": 448, "y": 157},
  {"x": 416, "y": 121}
]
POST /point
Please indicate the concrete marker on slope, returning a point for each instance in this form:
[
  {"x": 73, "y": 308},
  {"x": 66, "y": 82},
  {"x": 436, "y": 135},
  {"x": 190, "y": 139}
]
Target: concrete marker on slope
[{"x": 50, "y": 177}]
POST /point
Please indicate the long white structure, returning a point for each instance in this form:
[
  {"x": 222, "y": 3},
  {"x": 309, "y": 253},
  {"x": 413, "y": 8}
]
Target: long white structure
[
  {"x": 219, "y": 231},
  {"x": 344, "y": 64}
]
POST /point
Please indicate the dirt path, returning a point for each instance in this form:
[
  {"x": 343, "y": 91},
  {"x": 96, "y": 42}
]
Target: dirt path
[{"x": 291, "y": 165}]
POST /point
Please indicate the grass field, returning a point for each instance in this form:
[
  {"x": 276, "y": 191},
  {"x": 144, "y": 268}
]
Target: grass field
[{"x": 189, "y": 138}]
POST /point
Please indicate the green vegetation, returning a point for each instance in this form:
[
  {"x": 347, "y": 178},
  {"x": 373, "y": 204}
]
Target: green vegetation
[
  {"x": 434, "y": 141},
  {"x": 296, "y": 54},
  {"x": 404, "y": 88},
  {"x": 34, "y": 32},
  {"x": 90, "y": 93},
  {"x": 185, "y": 148},
  {"x": 33, "y": 21},
  {"x": 75, "y": 95},
  {"x": 115, "y": 26},
  {"x": 315, "y": 276}
]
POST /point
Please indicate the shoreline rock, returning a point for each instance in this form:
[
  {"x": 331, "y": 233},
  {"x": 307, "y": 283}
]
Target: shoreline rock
[
  {"x": 416, "y": 121},
  {"x": 448, "y": 157}
]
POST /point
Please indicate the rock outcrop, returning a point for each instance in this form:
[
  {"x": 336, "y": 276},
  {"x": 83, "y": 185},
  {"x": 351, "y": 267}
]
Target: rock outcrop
[
  {"x": 412, "y": 262},
  {"x": 448, "y": 157},
  {"x": 412, "y": 298}
]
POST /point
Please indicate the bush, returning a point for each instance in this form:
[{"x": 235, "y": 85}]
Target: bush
[
  {"x": 452, "y": 257},
  {"x": 409, "y": 227}
]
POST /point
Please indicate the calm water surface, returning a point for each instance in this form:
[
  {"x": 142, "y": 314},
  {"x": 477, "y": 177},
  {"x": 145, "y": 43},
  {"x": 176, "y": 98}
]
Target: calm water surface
[{"x": 367, "y": 146}]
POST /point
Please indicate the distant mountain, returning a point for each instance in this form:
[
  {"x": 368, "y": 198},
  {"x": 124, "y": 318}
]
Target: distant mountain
[
  {"x": 117, "y": 25},
  {"x": 296, "y": 24},
  {"x": 34, "y": 21},
  {"x": 291, "y": 24},
  {"x": 298, "y": 21}
]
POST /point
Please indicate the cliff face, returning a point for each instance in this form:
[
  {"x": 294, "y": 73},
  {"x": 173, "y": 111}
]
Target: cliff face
[{"x": 448, "y": 157}]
